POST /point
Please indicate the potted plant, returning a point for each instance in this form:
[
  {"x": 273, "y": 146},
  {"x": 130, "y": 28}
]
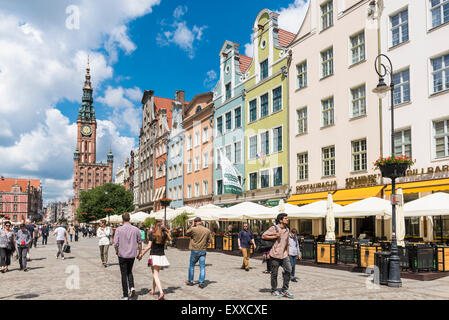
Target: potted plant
[
  {"x": 394, "y": 166},
  {"x": 165, "y": 202}
]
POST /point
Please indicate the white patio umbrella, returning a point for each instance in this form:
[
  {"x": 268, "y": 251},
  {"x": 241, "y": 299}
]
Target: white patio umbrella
[
  {"x": 254, "y": 211},
  {"x": 243, "y": 211},
  {"x": 159, "y": 215},
  {"x": 313, "y": 210},
  {"x": 116, "y": 219},
  {"x": 139, "y": 217},
  {"x": 429, "y": 228},
  {"x": 400, "y": 220},
  {"x": 364, "y": 208},
  {"x": 436, "y": 204},
  {"x": 208, "y": 212},
  {"x": 186, "y": 209},
  {"x": 330, "y": 221}
]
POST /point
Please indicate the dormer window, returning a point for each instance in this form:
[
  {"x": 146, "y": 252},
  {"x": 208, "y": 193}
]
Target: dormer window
[{"x": 198, "y": 109}]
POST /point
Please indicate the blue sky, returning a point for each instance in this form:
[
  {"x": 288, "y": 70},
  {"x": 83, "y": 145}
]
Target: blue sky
[{"x": 134, "y": 45}]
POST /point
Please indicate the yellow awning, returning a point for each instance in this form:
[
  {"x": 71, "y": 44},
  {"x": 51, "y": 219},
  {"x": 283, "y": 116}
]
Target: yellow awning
[
  {"x": 421, "y": 186},
  {"x": 307, "y": 198},
  {"x": 348, "y": 196}
]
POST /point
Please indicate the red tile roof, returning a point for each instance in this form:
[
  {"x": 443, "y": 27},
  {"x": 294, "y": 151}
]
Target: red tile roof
[
  {"x": 285, "y": 37},
  {"x": 6, "y": 184},
  {"x": 245, "y": 62}
]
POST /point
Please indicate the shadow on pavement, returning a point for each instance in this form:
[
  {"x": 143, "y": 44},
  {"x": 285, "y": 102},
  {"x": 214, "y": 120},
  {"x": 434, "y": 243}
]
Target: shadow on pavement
[
  {"x": 265, "y": 290},
  {"x": 34, "y": 268},
  {"x": 28, "y": 296},
  {"x": 38, "y": 259}
]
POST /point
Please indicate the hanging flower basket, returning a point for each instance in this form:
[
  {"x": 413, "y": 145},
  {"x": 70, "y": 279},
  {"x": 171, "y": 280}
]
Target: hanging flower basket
[
  {"x": 395, "y": 166},
  {"x": 165, "y": 202}
]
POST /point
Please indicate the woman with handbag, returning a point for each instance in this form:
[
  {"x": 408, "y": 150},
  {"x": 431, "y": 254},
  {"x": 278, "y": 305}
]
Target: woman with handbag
[
  {"x": 156, "y": 243},
  {"x": 7, "y": 246}
]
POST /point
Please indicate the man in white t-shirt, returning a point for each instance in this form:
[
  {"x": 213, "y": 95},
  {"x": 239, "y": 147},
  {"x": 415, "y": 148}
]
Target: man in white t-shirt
[{"x": 61, "y": 235}]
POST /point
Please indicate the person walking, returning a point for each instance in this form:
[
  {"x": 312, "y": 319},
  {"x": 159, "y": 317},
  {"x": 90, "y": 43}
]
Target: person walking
[
  {"x": 294, "y": 252},
  {"x": 71, "y": 232},
  {"x": 30, "y": 228},
  {"x": 61, "y": 235},
  {"x": 199, "y": 239},
  {"x": 245, "y": 239},
  {"x": 23, "y": 245},
  {"x": 45, "y": 232},
  {"x": 7, "y": 246},
  {"x": 77, "y": 230},
  {"x": 158, "y": 260},
  {"x": 279, "y": 255},
  {"x": 90, "y": 231},
  {"x": 36, "y": 235},
  {"x": 104, "y": 233},
  {"x": 128, "y": 245}
]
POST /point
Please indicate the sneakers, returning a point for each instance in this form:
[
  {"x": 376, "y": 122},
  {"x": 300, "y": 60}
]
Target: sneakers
[
  {"x": 133, "y": 293},
  {"x": 294, "y": 279},
  {"x": 189, "y": 283},
  {"x": 202, "y": 285},
  {"x": 276, "y": 294},
  {"x": 63, "y": 258},
  {"x": 124, "y": 298},
  {"x": 286, "y": 294},
  {"x": 267, "y": 272},
  {"x": 247, "y": 269}
]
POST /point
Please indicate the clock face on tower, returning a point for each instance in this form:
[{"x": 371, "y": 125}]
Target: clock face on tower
[{"x": 86, "y": 130}]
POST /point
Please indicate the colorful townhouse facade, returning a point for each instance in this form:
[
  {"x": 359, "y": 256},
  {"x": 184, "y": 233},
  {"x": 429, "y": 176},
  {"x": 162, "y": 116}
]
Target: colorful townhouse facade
[
  {"x": 266, "y": 112},
  {"x": 175, "y": 183},
  {"x": 229, "y": 119},
  {"x": 198, "y": 150}
]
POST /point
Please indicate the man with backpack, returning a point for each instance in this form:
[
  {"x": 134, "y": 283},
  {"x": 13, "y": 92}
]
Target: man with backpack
[{"x": 279, "y": 254}]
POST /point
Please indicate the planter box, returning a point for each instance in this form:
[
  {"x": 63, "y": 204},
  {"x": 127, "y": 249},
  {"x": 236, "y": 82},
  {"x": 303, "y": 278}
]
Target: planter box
[
  {"x": 218, "y": 242},
  {"x": 227, "y": 243},
  {"x": 211, "y": 244},
  {"x": 347, "y": 254},
  {"x": 308, "y": 249},
  {"x": 394, "y": 170},
  {"x": 442, "y": 255},
  {"x": 182, "y": 243},
  {"x": 366, "y": 255},
  {"x": 326, "y": 253},
  {"x": 235, "y": 242}
]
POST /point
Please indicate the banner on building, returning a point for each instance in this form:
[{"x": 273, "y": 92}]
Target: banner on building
[{"x": 231, "y": 182}]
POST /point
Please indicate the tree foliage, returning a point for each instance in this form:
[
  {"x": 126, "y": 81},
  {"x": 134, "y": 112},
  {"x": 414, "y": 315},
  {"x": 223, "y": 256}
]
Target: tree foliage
[
  {"x": 109, "y": 196},
  {"x": 149, "y": 222}
]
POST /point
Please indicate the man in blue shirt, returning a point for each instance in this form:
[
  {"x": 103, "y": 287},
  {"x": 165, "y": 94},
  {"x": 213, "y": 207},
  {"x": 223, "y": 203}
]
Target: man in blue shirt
[{"x": 245, "y": 239}]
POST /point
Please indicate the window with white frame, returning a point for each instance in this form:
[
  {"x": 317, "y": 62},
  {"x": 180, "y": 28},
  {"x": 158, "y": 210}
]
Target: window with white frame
[
  {"x": 328, "y": 158},
  {"x": 253, "y": 181},
  {"x": 327, "y": 15},
  {"x": 401, "y": 82},
  {"x": 219, "y": 125},
  {"x": 302, "y": 166},
  {"x": 277, "y": 176},
  {"x": 252, "y": 147},
  {"x": 218, "y": 153},
  {"x": 197, "y": 163},
  {"x": 228, "y": 152},
  {"x": 228, "y": 119},
  {"x": 197, "y": 139},
  {"x": 301, "y": 116},
  {"x": 277, "y": 139},
  {"x": 228, "y": 91},
  {"x": 403, "y": 142},
  {"x": 277, "y": 99},
  {"x": 358, "y": 47},
  {"x": 205, "y": 160},
  {"x": 189, "y": 166},
  {"x": 441, "y": 137},
  {"x": 399, "y": 28},
  {"x": 265, "y": 142},
  {"x": 205, "y": 188},
  {"x": 359, "y": 155},
  {"x": 440, "y": 73},
  {"x": 205, "y": 134},
  {"x": 302, "y": 74},
  {"x": 238, "y": 152},
  {"x": 180, "y": 171},
  {"x": 264, "y": 105},
  {"x": 327, "y": 107},
  {"x": 253, "y": 110},
  {"x": 175, "y": 171},
  {"x": 170, "y": 193},
  {"x": 358, "y": 101},
  {"x": 238, "y": 117},
  {"x": 327, "y": 62},
  {"x": 197, "y": 189},
  {"x": 175, "y": 194},
  {"x": 180, "y": 192},
  {"x": 189, "y": 191},
  {"x": 264, "y": 179},
  {"x": 264, "y": 69},
  {"x": 189, "y": 142},
  {"x": 170, "y": 173},
  {"x": 440, "y": 12}
]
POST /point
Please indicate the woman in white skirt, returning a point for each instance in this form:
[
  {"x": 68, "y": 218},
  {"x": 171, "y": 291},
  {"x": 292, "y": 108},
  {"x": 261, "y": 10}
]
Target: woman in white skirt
[{"x": 156, "y": 243}]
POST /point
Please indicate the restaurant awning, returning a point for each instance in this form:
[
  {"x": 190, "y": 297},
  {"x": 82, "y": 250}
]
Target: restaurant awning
[
  {"x": 348, "y": 196},
  {"x": 421, "y": 186},
  {"x": 307, "y": 198}
]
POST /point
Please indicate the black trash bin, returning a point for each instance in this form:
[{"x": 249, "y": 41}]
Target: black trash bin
[
  {"x": 308, "y": 249},
  {"x": 382, "y": 262}
]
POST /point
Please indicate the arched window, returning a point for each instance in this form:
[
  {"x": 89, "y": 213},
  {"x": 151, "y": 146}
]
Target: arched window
[{"x": 198, "y": 109}]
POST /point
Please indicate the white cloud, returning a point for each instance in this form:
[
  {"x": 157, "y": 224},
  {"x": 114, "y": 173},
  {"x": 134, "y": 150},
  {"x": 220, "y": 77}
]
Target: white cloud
[
  {"x": 209, "y": 82},
  {"x": 291, "y": 18},
  {"x": 180, "y": 34},
  {"x": 42, "y": 62},
  {"x": 249, "y": 50}
]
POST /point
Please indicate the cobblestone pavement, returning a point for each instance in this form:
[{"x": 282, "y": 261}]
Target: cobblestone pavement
[{"x": 49, "y": 278}]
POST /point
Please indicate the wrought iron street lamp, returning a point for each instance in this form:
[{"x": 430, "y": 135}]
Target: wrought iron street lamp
[{"x": 394, "y": 279}]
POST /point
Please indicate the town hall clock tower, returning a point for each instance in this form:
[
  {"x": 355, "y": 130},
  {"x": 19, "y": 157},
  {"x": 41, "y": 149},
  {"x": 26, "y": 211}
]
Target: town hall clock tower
[{"x": 87, "y": 173}]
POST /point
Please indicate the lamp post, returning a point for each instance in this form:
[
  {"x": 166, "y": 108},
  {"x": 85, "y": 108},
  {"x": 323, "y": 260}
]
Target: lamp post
[{"x": 394, "y": 278}]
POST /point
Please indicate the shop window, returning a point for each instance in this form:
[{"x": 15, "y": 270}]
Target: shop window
[{"x": 305, "y": 227}]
